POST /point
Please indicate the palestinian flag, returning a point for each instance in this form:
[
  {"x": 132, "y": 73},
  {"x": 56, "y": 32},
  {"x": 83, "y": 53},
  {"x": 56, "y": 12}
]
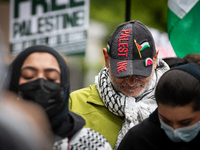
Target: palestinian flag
[
  {"x": 184, "y": 26},
  {"x": 143, "y": 46}
]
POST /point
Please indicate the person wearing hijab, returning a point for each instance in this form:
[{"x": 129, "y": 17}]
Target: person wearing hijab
[
  {"x": 41, "y": 75},
  {"x": 23, "y": 124}
]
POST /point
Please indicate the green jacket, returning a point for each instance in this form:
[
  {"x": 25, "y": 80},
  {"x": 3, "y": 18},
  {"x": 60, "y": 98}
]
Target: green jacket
[{"x": 87, "y": 103}]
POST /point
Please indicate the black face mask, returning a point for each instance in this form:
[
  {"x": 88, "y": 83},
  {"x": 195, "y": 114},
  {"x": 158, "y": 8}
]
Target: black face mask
[{"x": 48, "y": 94}]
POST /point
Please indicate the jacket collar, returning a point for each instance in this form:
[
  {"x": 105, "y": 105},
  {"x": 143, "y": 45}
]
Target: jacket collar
[
  {"x": 154, "y": 116},
  {"x": 93, "y": 98}
]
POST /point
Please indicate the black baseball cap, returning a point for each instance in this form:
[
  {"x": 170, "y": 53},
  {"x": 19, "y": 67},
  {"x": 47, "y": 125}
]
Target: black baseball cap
[{"x": 131, "y": 49}]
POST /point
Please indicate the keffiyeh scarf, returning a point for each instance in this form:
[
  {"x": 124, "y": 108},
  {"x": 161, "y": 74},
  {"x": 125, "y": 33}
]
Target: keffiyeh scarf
[{"x": 133, "y": 110}]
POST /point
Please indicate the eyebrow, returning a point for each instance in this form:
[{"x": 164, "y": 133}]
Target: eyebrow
[
  {"x": 34, "y": 69},
  {"x": 28, "y": 67},
  {"x": 187, "y": 119},
  {"x": 163, "y": 117}
]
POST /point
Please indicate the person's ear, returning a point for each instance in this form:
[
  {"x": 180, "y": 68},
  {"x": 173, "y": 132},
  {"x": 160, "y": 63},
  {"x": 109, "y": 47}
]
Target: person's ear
[
  {"x": 155, "y": 59},
  {"x": 106, "y": 58}
]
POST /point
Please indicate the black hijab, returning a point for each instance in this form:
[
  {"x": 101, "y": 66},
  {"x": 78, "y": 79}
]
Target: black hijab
[{"x": 65, "y": 123}]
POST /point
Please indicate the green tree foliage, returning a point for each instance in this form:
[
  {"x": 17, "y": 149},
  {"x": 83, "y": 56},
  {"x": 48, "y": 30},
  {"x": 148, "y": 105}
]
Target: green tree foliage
[{"x": 152, "y": 13}]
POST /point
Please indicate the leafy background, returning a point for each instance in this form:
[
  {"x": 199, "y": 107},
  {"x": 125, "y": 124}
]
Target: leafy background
[{"x": 152, "y": 13}]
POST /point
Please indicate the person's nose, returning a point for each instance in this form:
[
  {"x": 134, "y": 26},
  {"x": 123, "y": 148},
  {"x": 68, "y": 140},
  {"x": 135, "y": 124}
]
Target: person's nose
[
  {"x": 130, "y": 80},
  {"x": 175, "y": 126},
  {"x": 41, "y": 75}
]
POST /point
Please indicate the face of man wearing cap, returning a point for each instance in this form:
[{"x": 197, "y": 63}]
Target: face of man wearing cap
[{"x": 130, "y": 86}]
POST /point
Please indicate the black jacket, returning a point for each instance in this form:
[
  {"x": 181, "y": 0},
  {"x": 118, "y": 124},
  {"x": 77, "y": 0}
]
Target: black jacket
[{"x": 149, "y": 135}]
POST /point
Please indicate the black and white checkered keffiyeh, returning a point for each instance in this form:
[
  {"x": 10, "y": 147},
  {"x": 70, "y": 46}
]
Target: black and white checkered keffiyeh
[
  {"x": 134, "y": 110},
  {"x": 84, "y": 139}
]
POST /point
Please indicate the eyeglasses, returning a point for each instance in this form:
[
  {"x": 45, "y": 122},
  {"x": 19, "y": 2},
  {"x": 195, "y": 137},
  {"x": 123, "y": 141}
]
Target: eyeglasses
[{"x": 136, "y": 76}]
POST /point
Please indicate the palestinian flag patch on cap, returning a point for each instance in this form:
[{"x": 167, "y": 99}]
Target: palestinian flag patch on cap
[
  {"x": 142, "y": 46},
  {"x": 148, "y": 61},
  {"x": 108, "y": 47}
]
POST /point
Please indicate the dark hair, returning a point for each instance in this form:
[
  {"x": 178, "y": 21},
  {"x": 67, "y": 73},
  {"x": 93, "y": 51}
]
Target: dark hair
[
  {"x": 189, "y": 58},
  {"x": 178, "y": 88},
  {"x": 194, "y": 57},
  {"x": 175, "y": 61}
]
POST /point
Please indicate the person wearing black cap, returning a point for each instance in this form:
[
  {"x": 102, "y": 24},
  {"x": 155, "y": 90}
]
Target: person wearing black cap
[
  {"x": 124, "y": 92},
  {"x": 41, "y": 75},
  {"x": 175, "y": 124}
]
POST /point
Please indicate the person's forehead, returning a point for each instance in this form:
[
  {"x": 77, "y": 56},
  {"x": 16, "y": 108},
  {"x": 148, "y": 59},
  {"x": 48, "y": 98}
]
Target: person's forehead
[
  {"x": 175, "y": 112},
  {"x": 41, "y": 59}
]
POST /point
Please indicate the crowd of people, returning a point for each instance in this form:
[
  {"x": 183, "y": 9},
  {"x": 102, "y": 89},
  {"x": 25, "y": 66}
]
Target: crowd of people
[{"x": 138, "y": 101}]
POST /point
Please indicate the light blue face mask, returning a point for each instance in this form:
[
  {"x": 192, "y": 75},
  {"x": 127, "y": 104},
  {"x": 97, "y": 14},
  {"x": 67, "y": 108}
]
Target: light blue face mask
[{"x": 185, "y": 134}]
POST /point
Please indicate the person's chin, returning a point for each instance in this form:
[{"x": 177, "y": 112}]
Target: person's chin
[{"x": 130, "y": 92}]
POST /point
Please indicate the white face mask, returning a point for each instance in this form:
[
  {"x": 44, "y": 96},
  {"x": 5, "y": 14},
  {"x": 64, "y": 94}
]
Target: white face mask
[{"x": 185, "y": 134}]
